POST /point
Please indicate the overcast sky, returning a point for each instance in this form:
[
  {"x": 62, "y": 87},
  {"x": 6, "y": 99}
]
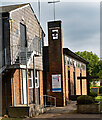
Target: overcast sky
[{"x": 80, "y": 22}]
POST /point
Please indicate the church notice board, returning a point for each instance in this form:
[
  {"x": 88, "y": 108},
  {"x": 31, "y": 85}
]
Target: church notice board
[
  {"x": 56, "y": 83},
  {"x": 95, "y": 89}
]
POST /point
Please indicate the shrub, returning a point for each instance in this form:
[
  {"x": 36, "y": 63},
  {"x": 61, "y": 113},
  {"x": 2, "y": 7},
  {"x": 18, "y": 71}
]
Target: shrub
[
  {"x": 85, "y": 99},
  {"x": 93, "y": 94}
]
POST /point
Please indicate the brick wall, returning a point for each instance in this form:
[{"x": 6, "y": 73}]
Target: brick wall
[
  {"x": 66, "y": 79},
  {"x": 84, "y": 83},
  {"x": 56, "y": 63},
  {"x": 71, "y": 80},
  {"x": 78, "y": 91}
]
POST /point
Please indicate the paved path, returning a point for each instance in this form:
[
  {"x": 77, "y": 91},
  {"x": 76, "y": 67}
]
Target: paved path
[{"x": 66, "y": 113}]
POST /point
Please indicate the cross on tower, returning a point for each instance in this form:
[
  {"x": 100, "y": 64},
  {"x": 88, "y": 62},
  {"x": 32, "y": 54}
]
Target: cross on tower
[{"x": 54, "y": 2}]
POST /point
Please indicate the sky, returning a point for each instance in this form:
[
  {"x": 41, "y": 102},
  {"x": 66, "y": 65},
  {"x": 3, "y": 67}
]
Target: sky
[{"x": 80, "y": 22}]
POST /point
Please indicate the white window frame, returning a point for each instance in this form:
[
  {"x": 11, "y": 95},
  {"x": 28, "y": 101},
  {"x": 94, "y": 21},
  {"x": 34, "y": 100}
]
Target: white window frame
[
  {"x": 31, "y": 78},
  {"x": 37, "y": 80}
]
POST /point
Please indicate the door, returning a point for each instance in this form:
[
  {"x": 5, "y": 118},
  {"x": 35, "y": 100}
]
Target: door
[{"x": 24, "y": 87}]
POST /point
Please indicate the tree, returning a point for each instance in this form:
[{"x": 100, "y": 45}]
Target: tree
[
  {"x": 93, "y": 59},
  {"x": 99, "y": 68}
]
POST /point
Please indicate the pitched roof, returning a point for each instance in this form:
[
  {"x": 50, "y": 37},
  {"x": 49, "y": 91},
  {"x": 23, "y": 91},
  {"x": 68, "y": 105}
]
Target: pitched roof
[
  {"x": 9, "y": 8},
  {"x": 73, "y": 55}
]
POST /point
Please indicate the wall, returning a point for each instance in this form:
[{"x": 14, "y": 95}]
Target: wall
[
  {"x": 25, "y": 16},
  {"x": 56, "y": 65},
  {"x": 41, "y": 87},
  {"x": 6, "y": 92},
  {"x": 78, "y": 91},
  {"x": 84, "y": 83}
]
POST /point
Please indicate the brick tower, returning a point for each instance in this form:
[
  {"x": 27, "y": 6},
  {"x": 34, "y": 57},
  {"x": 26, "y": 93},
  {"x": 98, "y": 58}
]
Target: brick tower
[{"x": 55, "y": 79}]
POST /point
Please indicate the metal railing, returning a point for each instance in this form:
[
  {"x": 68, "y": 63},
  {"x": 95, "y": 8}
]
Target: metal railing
[
  {"x": 49, "y": 101},
  {"x": 18, "y": 52}
]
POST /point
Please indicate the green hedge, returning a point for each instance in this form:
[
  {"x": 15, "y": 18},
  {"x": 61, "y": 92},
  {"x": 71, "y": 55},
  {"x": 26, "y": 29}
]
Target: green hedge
[
  {"x": 93, "y": 94},
  {"x": 85, "y": 99}
]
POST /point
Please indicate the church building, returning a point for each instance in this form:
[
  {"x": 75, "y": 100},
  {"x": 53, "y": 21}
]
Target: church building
[{"x": 61, "y": 68}]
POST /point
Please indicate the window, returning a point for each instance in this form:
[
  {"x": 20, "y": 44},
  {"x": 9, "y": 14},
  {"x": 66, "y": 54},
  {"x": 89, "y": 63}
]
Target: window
[
  {"x": 83, "y": 66},
  {"x": 78, "y": 65},
  {"x": 37, "y": 78},
  {"x": 54, "y": 34},
  {"x": 30, "y": 79},
  {"x": 71, "y": 62},
  {"x": 75, "y": 63},
  {"x": 65, "y": 60},
  {"x": 68, "y": 60}
]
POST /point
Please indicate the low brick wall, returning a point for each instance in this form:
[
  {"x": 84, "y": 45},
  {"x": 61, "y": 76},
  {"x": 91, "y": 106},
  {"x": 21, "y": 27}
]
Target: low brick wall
[
  {"x": 23, "y": 111},
  {"x": 89, "y": 108}
]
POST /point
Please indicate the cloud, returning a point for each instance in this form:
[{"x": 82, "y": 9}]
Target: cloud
[
  {"x": 80, "y": 21},
  {"x": 81, "y": 24},
  {"x": 50, "y": 0}
]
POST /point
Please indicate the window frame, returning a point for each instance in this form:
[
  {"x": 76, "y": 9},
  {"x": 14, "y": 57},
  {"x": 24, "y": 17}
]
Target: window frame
[{"x": 31, "y": 78}]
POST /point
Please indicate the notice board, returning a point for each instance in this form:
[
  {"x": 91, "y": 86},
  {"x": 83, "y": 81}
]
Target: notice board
[{"x": 56, "y": 83}]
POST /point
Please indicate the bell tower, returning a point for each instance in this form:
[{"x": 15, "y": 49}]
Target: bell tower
[{"x": 56, "y": 62}]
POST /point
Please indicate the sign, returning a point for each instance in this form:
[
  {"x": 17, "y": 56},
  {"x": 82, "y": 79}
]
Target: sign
[
  {"x": 56, "y": 83},
  {"x": 55, "y": 34},
  {"x": 95, "y": 89}
]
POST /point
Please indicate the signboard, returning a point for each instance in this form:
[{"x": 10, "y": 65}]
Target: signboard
[
  {"x": 95, "y": 89},
  {"x": 56, "y": 83}
]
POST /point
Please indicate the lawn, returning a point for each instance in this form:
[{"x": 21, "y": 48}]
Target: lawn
[{"x": 99, "y": 98}]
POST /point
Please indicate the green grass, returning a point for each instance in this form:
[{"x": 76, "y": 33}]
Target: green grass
[{"x": 98, "y": 98}]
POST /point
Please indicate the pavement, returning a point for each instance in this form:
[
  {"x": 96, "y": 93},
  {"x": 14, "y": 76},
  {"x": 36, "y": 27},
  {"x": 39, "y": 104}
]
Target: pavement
[{"x": 66, "y": 113}]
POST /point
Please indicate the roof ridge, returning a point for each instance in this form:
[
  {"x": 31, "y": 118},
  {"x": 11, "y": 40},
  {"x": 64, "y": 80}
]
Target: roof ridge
[
  {"x": 14, "y": 4},
  {"x": 8, "y": 8}
]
